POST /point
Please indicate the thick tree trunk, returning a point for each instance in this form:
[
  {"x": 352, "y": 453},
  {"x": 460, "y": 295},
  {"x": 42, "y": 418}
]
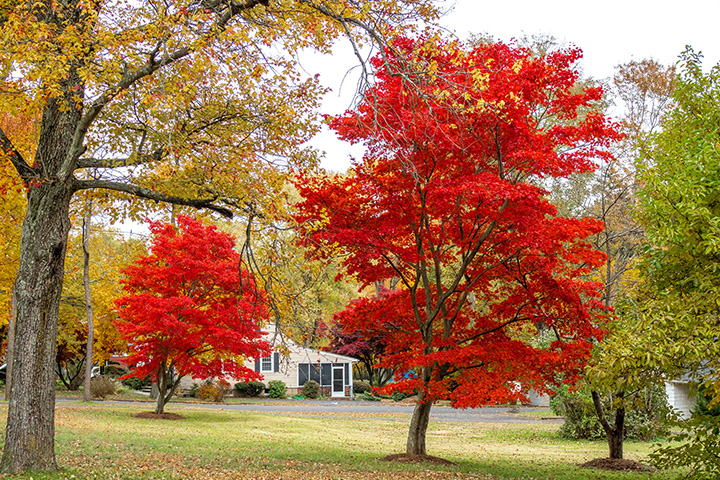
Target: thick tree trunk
[
  {"x": 29, "y": 441},
  {"x": 10, "y": 344},
  {"x": 615, "y": 442},
  {"x": 418, "y": 427}
]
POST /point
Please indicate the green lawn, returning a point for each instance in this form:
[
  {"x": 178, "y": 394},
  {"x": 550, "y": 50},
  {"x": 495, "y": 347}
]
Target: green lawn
[{"x": 97, "y": 441}]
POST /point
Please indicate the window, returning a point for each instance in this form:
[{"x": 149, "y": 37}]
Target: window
[
  {"x": 320, "y": 372},
  {"x": 266, "y": 364}
]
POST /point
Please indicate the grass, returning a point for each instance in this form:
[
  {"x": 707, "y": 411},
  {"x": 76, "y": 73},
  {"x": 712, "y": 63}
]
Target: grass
[{"x": 96, "y": 441}]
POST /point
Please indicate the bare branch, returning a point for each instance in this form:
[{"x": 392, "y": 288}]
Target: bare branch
[{"x": 150, "y": 195}]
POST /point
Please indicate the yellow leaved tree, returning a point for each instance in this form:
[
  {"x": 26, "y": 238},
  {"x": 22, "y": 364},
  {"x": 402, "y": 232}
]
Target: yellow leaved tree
[{"x": 190, "y": 102}]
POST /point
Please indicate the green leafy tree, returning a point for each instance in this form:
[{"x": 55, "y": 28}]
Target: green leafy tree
[
  {"x": 680, "y": 199},
  {"x": 643, "y": 89}
]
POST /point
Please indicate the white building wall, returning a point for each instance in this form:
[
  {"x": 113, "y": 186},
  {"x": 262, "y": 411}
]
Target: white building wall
[{"x": 680, "y": 398}]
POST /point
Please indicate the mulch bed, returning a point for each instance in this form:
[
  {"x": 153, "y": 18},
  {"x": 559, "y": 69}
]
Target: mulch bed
[
  {"x": 415, "y": 458},
  {"x": 618, "y": 465},
  {"x": 159, "y": 416}
]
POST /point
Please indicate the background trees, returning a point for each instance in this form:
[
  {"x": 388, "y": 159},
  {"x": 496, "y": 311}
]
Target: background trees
[
  {"x": 446, "y": 200},
  {"x": 188, "y": 311}
]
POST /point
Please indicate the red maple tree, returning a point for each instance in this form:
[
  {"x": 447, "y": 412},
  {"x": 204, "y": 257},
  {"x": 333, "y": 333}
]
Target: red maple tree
[
  {"x": 188, "y": 311},
  {"x": 448, "y": 199}
]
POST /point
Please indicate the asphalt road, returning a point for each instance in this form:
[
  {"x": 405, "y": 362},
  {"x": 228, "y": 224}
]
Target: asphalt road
[{"x": 360, "y": 409}]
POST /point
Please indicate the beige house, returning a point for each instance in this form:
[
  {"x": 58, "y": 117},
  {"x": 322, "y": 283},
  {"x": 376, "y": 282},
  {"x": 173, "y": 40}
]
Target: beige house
[{"x": 334, "y": 373}]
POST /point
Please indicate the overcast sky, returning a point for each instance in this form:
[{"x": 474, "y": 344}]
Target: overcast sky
[{"x": 609, "y": 33}]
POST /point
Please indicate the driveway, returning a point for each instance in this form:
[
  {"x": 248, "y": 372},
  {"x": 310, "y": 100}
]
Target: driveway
[{"x": 370, "y": 410}]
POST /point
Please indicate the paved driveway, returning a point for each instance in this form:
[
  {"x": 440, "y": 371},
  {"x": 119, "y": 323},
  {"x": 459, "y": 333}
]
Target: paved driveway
[{"x": 371, "y": 410}]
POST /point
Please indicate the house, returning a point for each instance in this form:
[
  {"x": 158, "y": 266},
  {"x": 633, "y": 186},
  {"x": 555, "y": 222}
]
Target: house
[{"x": 297, "y": 365}]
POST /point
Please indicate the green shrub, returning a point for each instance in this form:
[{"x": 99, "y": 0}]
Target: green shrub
[
  {"x": 361, "y": 387},
  {"x": 311, "y": 389},
  {"x": 277, "y": 389},
  {"x": 369, "y": 397},
  {"x": 136, "y": 383},
  {"x": 250, "y": 389},
  {"x": 193, "y": 390},
  {"x": 644, "y": 419},
  {"x": 399, "y": 396},
  {"x": 101, "y": 387}
]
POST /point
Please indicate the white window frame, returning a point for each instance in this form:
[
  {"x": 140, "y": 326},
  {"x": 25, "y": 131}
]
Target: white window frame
[{"x": 269, "y": 367}]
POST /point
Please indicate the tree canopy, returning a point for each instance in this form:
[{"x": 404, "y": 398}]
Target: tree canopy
[
  {"x": 188, "y": 310},
  {"x": 447, "y": 200}
]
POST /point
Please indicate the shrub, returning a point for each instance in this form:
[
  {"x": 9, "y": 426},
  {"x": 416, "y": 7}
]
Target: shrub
[
  {"x": 399, "y": 396},
  {"x": 212, "y": 390},
  {"x": 277, "y": 389},
  {"x": 643, "y": 420},
  {"x": 101, "y": 387},
  {"x": 369, "y": 397},
  {"x": 114, "y": 370},
  {"x": 311, "y": 389},
  {"x": 136, "y": 383},
  {"x": 250, "y": 389},
  {"x": 193, "y": 390},
  {"x": 361, "y": 387}
]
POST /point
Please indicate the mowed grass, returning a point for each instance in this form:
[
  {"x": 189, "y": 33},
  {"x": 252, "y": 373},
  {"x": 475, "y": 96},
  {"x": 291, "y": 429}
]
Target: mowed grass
[{"x": 97, "y": 441}]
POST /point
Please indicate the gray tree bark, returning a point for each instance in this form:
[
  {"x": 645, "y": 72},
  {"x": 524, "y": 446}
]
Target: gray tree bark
[
  {"x": 87, "y": 394},
  {"x": 418, "y": 427},
  {"x": 10, "y": 344},
  {"x": 30, "y": 429}
]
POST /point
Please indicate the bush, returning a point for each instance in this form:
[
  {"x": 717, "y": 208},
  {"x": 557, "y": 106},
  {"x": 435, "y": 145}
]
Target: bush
[
  {"x": 212, "y": 390},
  {"x": 643, "y": 421},
  {"x": 101, "y": 387},
  {"x": 361, "y": 387},
  {"x": 399, "y": 396},
  {"x": 369, "y": 397},
  {"x": 311, "y": 389},
  {"x": 193, "y": 390},
  {"x": 250, "y": 389},
  {"x": 136, "y": 383},
  {"x": 114, "y": 370},
  {"x": 277, "y": 389}
]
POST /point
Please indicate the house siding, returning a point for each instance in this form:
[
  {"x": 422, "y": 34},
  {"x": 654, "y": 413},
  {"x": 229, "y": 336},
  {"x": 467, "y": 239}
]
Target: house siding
[
  {"x": 285, "y": 368},
  {"x": 680, "y": 397}
]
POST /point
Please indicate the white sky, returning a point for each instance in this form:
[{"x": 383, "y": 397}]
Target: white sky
[{"x": 609, "y": 33}]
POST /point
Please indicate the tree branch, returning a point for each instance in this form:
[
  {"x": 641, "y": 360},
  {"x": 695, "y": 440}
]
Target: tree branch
[
  {"x": 153, "y": 64},
  {"x": 151, "y": 195},
  {"x": 131, "y": 161},
  {"x": 8, "y": 149}
]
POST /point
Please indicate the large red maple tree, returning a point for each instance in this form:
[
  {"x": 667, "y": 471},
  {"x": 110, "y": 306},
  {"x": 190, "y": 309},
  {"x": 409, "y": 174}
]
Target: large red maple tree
[
  {"x": 189, "y": 310},
  {"x": 449, "y": 200}
]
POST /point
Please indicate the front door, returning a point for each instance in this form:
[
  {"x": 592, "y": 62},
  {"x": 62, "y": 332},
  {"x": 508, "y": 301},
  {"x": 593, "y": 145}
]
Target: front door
[{"x": 338, "y": 383}]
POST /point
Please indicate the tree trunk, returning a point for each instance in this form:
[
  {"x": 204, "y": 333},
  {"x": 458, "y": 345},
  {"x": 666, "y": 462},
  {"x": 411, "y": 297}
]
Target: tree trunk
[
  {"x": 87, "y": 394},
  {"x": 418, "y": 427},
  {"x": 10, "y": 344},
  {"x": 29, "y": 440},
  {"x": 615, "y": 441},
  {"x": 615, "y": 434}
]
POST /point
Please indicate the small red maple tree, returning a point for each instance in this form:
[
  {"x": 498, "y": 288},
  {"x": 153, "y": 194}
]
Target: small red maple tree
[
  {"x": 187, "y": 310},
  {"x": 448, "y": 200}
]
